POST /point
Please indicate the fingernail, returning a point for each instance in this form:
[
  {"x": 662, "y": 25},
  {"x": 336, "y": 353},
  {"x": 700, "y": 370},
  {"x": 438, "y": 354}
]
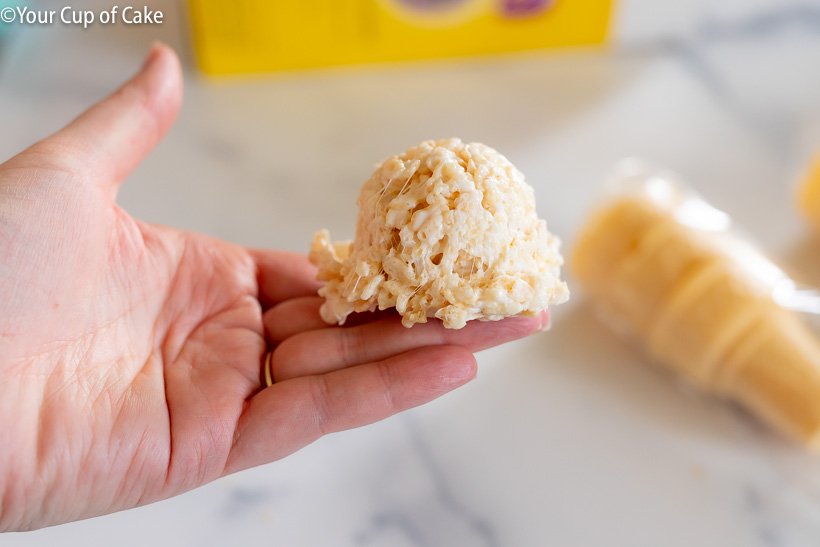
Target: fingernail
[
  {"x": 153, "y": 54},
  {"x": 460, "y": 374}
]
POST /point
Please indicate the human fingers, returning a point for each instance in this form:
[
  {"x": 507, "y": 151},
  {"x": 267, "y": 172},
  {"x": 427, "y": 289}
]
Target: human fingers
[
  {"x": 283, "y": 275},
  {"x": 290, "y": 415},
  {"x": 112, "y": 137},
  {"x": 363, "y": 318},
  {"x": 322, "y": 351},
  {"x": 297, "y": 315},
  {"x": 292, "y": 317}
]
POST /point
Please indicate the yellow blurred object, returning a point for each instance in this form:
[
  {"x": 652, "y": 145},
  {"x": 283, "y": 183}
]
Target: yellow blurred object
[
  {"x": 708, "y": 313},
  {"x": 773, "y": 371},
  {"x": 257, "y": 35},
  {"x": 809, "y": 194},
  {"x": 696, "y": 299},
  {"x": 661, "y": 263}
]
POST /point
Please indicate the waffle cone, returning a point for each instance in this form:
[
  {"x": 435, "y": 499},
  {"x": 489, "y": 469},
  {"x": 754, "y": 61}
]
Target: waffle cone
[
  {"x": 610, "y": 237},
  {"x": 705, "y": 316},
  {"x": 774, "y": 371},
  {"x": 663, "y": 259},
  {"x": 701, "y": 303},
  {"x": 809, "y": 195}
]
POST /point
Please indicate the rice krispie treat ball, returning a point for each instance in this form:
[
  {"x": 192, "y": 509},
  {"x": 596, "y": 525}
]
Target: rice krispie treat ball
[{"x": 446, "y": 230}]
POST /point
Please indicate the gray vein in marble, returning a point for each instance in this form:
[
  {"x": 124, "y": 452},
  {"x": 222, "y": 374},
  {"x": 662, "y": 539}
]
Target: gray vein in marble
[
  {"x": 241, "y": 500},
  {"x": 391, "y": 520},
  {"x": 689, "y": 50},
  {"x": 226, "y": 151},
  {"x": 769, "y": 537},
  {"x": 444, "y": 492},
  {"x": 479, "y": 527},
  {"x": 689, "y": 54},
  {"x": 763, "y": 24},
  {"x": 754, "y": 502}
]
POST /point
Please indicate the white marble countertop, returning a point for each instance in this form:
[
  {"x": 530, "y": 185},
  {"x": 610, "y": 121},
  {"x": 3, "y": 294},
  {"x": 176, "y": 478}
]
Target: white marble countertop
[{"x": 569, "y": 438}]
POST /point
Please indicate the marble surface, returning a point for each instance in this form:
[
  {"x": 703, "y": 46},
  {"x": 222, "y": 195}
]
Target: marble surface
[{"x": 569, "y": 438}]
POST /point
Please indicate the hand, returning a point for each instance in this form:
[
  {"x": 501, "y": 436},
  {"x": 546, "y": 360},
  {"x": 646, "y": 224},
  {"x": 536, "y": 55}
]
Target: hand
[{"x": 131, "y": 354}]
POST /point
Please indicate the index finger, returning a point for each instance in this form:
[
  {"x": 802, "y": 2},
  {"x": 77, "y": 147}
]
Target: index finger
[{"x": 283, "y": 275}]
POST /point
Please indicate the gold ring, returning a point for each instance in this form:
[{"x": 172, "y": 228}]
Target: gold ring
[{"x": 268, "y": 372}]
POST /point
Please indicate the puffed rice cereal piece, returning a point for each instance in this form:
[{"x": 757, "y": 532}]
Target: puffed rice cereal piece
[{"x": 446, "y": 230}]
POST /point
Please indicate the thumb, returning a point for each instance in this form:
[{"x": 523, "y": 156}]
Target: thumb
[{"x": 109, "y": 140}]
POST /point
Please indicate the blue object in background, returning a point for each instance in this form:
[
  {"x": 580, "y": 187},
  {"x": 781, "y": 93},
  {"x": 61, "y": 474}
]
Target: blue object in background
[{"x": 5, "y": 28}]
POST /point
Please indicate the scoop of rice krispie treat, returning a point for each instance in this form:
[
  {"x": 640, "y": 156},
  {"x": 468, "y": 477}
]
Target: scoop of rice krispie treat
[{"x": 446, "y": 230}]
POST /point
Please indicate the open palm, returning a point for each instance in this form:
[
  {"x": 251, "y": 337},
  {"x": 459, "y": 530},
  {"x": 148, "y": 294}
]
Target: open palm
[{"x": 131, "y": 354}]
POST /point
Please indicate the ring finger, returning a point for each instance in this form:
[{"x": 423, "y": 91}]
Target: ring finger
[{"x": 321, "y": 351}]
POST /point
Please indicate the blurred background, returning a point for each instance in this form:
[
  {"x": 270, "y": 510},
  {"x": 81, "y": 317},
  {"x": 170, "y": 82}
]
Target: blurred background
[{"x": 568, "y": 438}]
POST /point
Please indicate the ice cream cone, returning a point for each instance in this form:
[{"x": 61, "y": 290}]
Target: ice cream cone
[
  {"x": 664, "y": 257},
  {"x": 608, "y": 238},
  {"x": 809, "y": 195},
  {"x": 704, "y": 316},
  {"x": 701, "y": 302},
  {"x": 774, "y": 371}
]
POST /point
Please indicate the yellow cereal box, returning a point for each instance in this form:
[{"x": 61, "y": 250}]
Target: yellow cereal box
[{"x": 264, "y": 35}]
